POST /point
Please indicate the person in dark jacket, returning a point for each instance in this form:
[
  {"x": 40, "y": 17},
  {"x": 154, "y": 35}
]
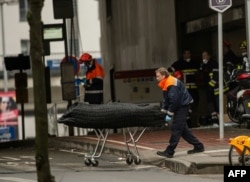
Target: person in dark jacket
[
  {"x": 230, "y": 61},
  {"x": 176, "y": 104},
  {"x": 210, "y": 87},
  {"x": 189, "y": 69},
  {"x": 229, "y": 57}
]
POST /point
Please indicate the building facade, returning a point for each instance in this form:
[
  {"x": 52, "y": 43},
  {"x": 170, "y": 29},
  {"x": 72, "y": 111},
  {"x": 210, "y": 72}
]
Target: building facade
[
  {"x": 83, "y": 35},
  {"x": 147, "y": 34},
  {"x": 132, "y": 37}
]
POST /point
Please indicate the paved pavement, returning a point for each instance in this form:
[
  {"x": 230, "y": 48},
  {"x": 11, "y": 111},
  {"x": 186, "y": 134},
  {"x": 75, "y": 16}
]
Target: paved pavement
[{"x": 211, "y": 161}]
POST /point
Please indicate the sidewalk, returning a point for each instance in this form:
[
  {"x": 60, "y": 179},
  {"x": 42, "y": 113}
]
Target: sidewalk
[{"x": 211, "y": 161}]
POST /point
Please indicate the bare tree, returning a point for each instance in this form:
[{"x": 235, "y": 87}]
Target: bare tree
[{"x": 41, "y": 120}]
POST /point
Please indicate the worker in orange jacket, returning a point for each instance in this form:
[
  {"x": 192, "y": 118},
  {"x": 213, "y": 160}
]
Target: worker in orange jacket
[
  {"x": 94, "y": 79},
  {"x": 176, "y": 101}
]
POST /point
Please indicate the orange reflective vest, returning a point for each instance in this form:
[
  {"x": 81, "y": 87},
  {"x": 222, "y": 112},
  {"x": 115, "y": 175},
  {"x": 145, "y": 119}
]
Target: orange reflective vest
[
  {"x": 97, "y": 72},
  {"x": 95, "y": 76}
]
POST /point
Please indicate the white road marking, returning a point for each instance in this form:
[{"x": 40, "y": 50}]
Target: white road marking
[
  {"x": 123, "y": 143},
  {"x": 72, "y": 151},
  {"x": 11, "y": 158},
  {"x": 16, "y": 179},
  {"x": 12, "y": 163},
  {"x": 214, "y": 151},
  {"x": 149, "y": 148},
  {"x": 30, "y": 163},
  {"x": 27, "y": 157}
]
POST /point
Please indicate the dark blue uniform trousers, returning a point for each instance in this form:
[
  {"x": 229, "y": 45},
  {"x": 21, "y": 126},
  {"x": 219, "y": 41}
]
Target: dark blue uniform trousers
[{"x": 179, "y": 128}]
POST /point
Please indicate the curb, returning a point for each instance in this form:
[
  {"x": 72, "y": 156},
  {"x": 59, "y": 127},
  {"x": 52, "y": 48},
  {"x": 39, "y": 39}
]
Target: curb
[
  {"x": 186, "y": 167},
  {"x": 180, "y": 164},
  {"x": 17, "y": 144}
]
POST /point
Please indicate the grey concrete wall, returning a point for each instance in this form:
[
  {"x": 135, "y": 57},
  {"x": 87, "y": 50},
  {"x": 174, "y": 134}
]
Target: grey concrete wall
[{"x": 140, "y": 34}]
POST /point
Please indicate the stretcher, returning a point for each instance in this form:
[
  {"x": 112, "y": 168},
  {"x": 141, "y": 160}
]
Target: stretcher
[{"x": 133, "y": 119}]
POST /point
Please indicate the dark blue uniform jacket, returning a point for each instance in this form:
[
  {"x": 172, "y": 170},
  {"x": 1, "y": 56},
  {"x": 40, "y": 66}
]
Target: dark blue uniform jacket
[{"x": 175, "y": 94}]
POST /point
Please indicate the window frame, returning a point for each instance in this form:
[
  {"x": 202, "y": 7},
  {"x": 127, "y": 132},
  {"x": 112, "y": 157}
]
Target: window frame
[{"x": 23, "y": 9}]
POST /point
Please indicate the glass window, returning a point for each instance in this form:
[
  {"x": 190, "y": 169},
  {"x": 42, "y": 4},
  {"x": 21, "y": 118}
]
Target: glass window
[
  {"x": 25, "y": 47},
  {"x": 23, "y": 8}
]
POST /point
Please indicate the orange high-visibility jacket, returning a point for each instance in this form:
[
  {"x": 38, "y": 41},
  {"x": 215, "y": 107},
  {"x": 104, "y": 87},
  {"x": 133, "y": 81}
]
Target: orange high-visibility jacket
[{"x": 95, "y": 76}]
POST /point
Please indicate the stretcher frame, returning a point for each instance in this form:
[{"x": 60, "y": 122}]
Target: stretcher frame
[
  {"x": 132, "y": 133},
  {"x": 130, "y": 136}
]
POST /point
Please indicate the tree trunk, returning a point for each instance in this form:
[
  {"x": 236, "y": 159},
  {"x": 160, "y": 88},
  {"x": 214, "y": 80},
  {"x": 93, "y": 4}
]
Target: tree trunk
[{"x": 40, "y": 105}]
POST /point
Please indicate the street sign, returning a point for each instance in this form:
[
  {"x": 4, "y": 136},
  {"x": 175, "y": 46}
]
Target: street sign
[
  {"x": 63, "y": 9},
  {"x": 20, "y": 62},
  {"x": 220, "y": 5},
  {"x": 53, "y": 32},
  {"x": 21, "y": 80}
]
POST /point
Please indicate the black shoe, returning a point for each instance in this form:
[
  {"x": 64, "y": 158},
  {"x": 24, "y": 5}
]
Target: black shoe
[
  {"x": 164, "y": 154},
  {"x": 193, "y": 151}
]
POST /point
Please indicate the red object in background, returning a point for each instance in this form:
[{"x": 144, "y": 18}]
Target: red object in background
[
  {"x": 243, "y": 76},
  {"x": 178, "y": 75},
  {"x": 8, "y": 109},
  {"x": 75, "y": 62}
]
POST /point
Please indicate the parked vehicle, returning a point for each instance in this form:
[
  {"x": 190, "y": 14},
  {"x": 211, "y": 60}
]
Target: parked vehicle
[{"x": 238, "y": 97}]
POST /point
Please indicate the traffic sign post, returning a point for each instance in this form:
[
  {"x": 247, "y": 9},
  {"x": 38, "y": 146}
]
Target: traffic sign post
[{"x": 220, "y": 6}]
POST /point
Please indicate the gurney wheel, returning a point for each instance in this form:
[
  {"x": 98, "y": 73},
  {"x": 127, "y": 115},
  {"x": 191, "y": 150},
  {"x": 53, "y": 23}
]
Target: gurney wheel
[
  {"x": 137, "y": 160},
  {"x": 94, "y": 163},
  {"x": 87, "y": 162},
  {"x": 129, "y": 160}
]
